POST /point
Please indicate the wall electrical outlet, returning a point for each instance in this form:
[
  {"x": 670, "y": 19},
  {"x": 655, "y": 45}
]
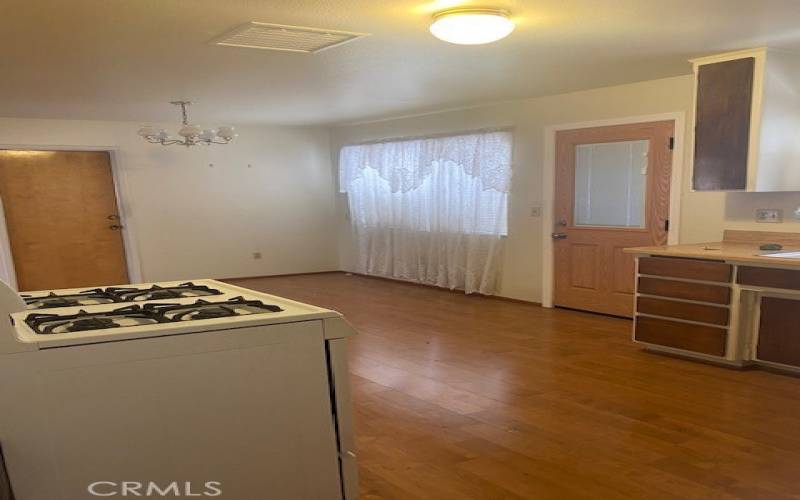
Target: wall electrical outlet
[
  {"x": 256, "y": 255},
  {"x": 797, "y": 213},
  {"x": 769, "y": 215}
]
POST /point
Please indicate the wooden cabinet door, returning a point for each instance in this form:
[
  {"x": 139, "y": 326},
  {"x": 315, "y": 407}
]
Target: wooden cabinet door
[
  {"x": 779, "y": 331},
  {"x": 722, "y": 125}
]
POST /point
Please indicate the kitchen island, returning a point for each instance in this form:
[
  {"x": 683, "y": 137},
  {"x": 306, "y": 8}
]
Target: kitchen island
[{"x": 727, "y": 302}]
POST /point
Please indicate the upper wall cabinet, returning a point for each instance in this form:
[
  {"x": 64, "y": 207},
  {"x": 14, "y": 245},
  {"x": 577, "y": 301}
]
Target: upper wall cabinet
[{"x": 747, "y": 122}]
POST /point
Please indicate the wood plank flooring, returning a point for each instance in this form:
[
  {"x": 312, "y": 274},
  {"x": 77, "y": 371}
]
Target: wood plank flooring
[{"x": 462, "y": 397}]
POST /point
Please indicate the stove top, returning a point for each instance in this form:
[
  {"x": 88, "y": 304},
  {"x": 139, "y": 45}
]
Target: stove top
[
  {"x": 143, "y": 310},
  {"x": 149, "y": 314},
  {"x": 113, "y": 294}
]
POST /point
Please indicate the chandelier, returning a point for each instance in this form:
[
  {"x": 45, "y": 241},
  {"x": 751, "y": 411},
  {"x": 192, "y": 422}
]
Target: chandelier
[{"x": 190, "y": 135}]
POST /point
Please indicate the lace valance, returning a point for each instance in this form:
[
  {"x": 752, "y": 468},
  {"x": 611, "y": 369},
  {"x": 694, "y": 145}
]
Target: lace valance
[{"x": 405, "y": 164}]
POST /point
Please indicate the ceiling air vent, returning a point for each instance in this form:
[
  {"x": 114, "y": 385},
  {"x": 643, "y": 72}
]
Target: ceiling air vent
[{"x": 287, "y": 38}]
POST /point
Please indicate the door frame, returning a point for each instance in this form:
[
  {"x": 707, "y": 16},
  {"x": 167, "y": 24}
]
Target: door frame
[
  {"x": 121, "y": 193},
  {"x": 549, "y": 185}
]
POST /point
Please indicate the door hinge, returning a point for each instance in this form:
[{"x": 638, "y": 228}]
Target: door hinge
[
  {"x": 671, "y": 144},
  {"x": 666, "y": 225}
]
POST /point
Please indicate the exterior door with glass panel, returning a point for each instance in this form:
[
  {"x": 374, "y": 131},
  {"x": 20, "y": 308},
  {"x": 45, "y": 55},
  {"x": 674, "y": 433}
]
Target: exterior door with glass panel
[{"x": 612, "y": 192}]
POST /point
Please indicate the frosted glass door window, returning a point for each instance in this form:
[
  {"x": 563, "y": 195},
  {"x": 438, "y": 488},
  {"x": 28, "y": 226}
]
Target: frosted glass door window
[{"x": 610, "y": 184}]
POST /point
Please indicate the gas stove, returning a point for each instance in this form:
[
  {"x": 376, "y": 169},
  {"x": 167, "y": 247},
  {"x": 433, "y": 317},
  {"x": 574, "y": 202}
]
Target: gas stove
[
  {"x": 110, "y": 295},
  {"x": 177, "y": 379}
]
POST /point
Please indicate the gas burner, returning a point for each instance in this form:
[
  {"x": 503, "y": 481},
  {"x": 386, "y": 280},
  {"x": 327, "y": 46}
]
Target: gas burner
[
  {"x": 86, "y": 298},
  {"x": 203, "y": 309},
  {"x": 48, "y": 324},
  {"x": 155, "y": 292}
]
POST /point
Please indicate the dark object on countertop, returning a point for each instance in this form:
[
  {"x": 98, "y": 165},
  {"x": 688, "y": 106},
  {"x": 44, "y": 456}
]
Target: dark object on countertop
[
  {"x": 771, "y": 246},
  {"x": 5, "y": 485}
]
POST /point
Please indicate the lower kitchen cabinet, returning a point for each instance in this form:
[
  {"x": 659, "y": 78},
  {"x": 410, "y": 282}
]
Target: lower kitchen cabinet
[{"x": 779, "y": 331}]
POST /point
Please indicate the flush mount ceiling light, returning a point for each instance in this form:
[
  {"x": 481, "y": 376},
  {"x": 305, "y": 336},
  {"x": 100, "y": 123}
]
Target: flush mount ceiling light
[
  {"x": 190, "y": 135},
  {"x": 472, "y": 26}
]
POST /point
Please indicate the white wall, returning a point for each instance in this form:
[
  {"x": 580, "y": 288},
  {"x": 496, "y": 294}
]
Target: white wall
[
  {"x": 193, "y": 221},
  {"x": 702, "y": 213}
]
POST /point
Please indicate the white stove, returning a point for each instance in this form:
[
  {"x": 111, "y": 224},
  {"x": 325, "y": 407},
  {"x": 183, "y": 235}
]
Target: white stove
[{"x": 174, "y": 384}]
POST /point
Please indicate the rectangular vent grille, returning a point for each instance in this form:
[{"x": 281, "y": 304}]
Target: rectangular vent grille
[{"x": 286, "y": 38}]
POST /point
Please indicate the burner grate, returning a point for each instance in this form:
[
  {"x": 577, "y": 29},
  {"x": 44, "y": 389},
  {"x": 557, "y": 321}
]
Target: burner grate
[
  {"x": 49, "y": 324},
  {"x": 203, "y": 309},
  {"x": 86, "y": 298},
  {"x": 149, "y": 314},
  {"x": 112, "y": 295},
  {"x": 156, "y": 292}
]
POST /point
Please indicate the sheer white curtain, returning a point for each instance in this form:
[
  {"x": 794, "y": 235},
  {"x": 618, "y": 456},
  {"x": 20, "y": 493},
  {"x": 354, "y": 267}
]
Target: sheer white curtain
[{"x": 430, "y": 210}]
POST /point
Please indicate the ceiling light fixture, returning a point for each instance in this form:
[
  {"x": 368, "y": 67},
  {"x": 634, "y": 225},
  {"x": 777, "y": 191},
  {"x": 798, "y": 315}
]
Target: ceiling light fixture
[
  {"x": 191, "y": 135},
  {"x": 472, "y": 26}
]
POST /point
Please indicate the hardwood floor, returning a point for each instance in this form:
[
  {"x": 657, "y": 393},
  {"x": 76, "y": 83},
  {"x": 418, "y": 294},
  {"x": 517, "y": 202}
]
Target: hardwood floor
[{"x": 462, "y": 397}]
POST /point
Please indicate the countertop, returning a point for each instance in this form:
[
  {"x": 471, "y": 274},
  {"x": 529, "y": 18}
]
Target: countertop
[{"x": 734, "y": 251}]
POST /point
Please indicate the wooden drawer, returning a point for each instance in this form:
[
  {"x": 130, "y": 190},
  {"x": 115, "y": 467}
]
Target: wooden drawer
[
  {"x": 683, "y": 310},
  {"x": 696, "y": 338},
  {"x": 704, "y": 270},
  {"x": 769, "y": 277},
  {"x": 684, "y": 290}
]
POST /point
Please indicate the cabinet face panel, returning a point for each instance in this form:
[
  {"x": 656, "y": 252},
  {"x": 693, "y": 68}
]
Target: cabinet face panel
[
  {"x": 779, "y": 331},
  {"x": 683, "y": 310},
  {"x": 697, "y": 338},
  {"x": 769, "y": 277},
  {"x": 685, "y": 290},
  {"x": 722, "y": 124},
  {"x": 704, "y": 270}
]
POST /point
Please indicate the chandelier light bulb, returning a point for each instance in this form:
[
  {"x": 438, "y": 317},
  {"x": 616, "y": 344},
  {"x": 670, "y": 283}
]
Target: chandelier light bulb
[
  {"x": 189, "y": 131},
  {"x": 226, "y": 132},
  {"x": 207, "y": 134},
  {"x": 146, "y": 131}
]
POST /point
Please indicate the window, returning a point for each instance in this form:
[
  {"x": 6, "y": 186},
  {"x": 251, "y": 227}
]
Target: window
[
  {"x": 416, "y": 203},
  {"x": 610, "y": 184}
]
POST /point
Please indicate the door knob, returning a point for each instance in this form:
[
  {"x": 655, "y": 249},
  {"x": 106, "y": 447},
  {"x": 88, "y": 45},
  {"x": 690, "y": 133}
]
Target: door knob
[
  {"x": 115, "y": 227},
  {"x": 559, "y": 236}
]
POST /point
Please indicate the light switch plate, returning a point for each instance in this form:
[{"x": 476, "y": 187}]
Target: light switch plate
[
  {"x": 771, "y": 215},
  {"x": 536, "y": 211}
]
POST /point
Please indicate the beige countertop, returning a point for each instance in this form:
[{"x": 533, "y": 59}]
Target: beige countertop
[{"x": 735, "y": 251}]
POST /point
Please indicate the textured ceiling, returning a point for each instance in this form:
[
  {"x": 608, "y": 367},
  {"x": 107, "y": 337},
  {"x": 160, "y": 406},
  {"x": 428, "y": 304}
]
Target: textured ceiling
[{"x": 125, "y": 59}]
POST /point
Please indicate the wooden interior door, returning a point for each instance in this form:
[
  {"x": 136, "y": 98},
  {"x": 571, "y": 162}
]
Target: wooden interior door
[
  {"x": 62, "y": 219},
  {"x": 612, "y": 192}
]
